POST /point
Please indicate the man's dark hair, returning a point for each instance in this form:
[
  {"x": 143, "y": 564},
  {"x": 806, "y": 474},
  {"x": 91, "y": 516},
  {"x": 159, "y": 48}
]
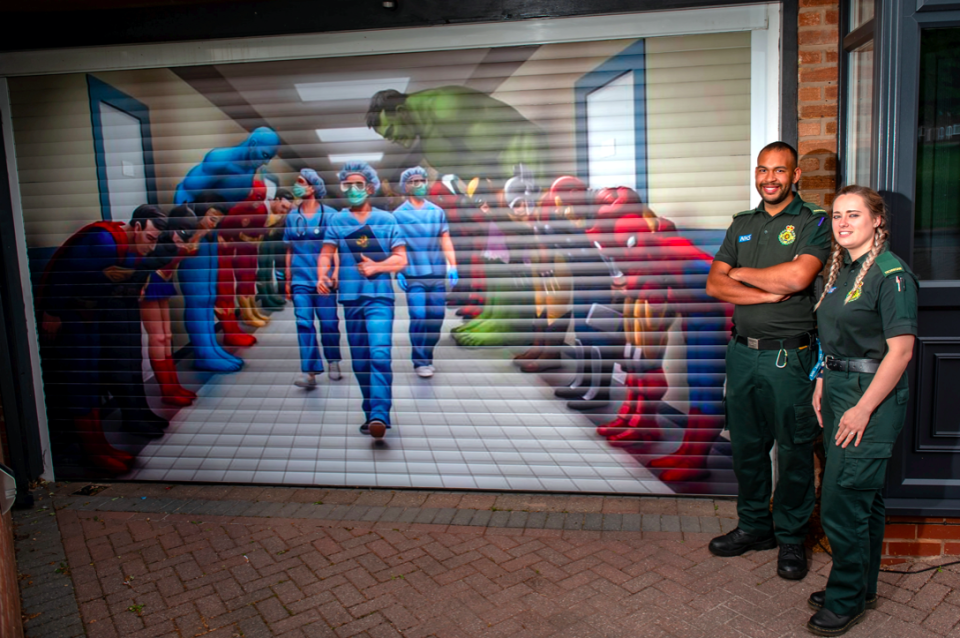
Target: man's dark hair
[
  {"x": 283, "y": 193},
  {"x": 149, "y": 213},
  {"x": 182, "y": 220},
  {"x": 209, "y": 199},
  {"x": 387, "y": 100},
  {"x": 781, "y": 146}
]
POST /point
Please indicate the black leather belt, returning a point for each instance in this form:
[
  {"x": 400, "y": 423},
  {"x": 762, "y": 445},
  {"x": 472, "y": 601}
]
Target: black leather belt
[
  {"x": 776, "y": 344},
  {"x": 869, "y": 366}
]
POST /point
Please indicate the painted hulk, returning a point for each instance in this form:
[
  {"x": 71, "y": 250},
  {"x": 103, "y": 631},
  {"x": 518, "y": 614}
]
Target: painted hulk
[{"x": 468, "y": 133}]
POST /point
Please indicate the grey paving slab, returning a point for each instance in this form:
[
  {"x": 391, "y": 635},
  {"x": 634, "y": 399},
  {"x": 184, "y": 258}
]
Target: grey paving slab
[
  {"x": 690, "y": 524},
  {"x": 288, "y": 510},
  {"x": 555, "y": 520},
  {"x": 669, "y": 523},
  {"x": 612, "y": 522},
  {"x": 593, "y": 522},
  {"x": 445, "y": 516},
  {"x": 391, "y": 514},
  {"x": 356, "y": 512},
  {"x": 536, "y": 520},
  {"x": 517, "y": 519},
  {"x": 273, "y": 510},
  {"x": 408, "y": 515},
  {"x": 373, "y": 513},
  {"x": 339, "y": 512},
  {"x": 499, "y": 519},
  {"x": 481, "y": 518},
  {"x": 710, "y": 524},
  {"x": 631, "y": 522},
  {"x": 650, "y": 523},
  {"x": 426, "y": 515},
  {"x": 573, "y": 520},
  {"x": 463, "y": 517}
]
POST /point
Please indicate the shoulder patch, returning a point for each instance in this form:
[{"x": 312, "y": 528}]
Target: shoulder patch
[
  {"x": 745, "y": 212},
  {"x": 814, "y": 208},
  {"x": 888, "y": 264}
]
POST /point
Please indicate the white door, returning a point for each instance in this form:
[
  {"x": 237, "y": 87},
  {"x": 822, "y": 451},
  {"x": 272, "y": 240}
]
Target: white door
[
  {"x": 611, "y": 138},
  {"x": 123, "y": 158}
]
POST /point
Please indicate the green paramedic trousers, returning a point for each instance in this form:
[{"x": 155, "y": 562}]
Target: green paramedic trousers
[
  {"x": 851, "y": 509},
  {"x": 769, "y": 399}
]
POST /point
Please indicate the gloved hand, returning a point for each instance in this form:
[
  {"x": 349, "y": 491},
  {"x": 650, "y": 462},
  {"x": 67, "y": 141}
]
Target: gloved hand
[
  {"x": 452, "y": 276},
  {"x": 402, "y": 281}
]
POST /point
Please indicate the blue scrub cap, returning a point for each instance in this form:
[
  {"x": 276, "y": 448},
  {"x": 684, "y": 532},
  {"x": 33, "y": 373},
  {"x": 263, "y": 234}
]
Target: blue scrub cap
[
  {"x": 360, "y": 168},
  {"x": 319, "y": 188},
  {"x": 409, "y": 173}
]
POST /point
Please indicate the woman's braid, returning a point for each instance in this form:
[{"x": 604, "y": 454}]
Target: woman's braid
[
  {"x": 833, "y": 269},
  {"x": 879, "y": 243}
]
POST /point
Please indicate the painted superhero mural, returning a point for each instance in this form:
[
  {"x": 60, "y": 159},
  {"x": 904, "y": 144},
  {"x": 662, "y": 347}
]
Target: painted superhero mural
[{"x": 486, "y": 278}]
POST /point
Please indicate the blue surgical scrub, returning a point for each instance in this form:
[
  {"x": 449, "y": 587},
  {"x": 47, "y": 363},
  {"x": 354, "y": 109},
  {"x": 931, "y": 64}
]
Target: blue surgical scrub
[
  {"x": 425, "y": 272},
  {"x": 368, "y": 308},
  {"x": 304, "y": 238}
]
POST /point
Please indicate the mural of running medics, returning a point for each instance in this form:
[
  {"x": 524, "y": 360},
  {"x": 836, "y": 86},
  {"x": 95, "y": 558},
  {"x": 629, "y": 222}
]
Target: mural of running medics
[{"x": 496, "y": 267}]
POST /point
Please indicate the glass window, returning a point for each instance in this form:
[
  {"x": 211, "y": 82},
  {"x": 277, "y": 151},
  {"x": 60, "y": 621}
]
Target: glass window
[
  {"x": 937, "y": 220},
  {"x": 861, "y": 11},
  {"x": 859, "y": 101}
]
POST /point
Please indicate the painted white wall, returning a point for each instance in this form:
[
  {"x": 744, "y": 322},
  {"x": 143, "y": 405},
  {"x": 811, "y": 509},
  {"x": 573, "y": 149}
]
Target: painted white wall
[{"x": 611, "y": 134}]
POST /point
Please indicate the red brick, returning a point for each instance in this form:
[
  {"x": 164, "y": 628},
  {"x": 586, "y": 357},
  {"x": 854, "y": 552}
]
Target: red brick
[
  {"x": 817, "y": 3},
  {"x": 809, "y": 164},
  {"x": 917, "y": 548},
  {"x": 813, "y": 198},
  {"x": 900, "y": 531},
  {"x": 818, "y": 36},
  {"x": 938, "y": 532},
  {"x": 817, "y": 147},
  {"x": 828, "y": 199},
  {"x": 830, "y": 164},
  {"x": 809, "y": 129},
  {"x": 831, "y": 17},
  {"x": 819, "y": 74},
  {"x": 832, "y": 56},
  {"x": 952, "y": 549},
  {"x": 830, "y": 128},
  {"x": 831, "y": 92},
  {"x": 810, "y": 57},
  {"x": 809, "y": 18}
]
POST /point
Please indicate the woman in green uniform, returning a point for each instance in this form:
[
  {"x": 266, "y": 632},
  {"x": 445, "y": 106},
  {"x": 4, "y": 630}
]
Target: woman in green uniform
[{"x": 867, "y": 317}]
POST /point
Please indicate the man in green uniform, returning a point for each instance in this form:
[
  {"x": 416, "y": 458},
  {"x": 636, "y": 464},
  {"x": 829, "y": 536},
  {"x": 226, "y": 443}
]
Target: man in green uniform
[{"x": 766, "y": 267}]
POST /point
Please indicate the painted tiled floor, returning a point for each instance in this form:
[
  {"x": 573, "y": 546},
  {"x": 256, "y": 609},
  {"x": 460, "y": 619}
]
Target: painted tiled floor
[{"x": 479, "y": 423}]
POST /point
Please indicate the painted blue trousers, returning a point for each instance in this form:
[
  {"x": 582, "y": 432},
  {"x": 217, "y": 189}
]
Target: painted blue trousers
[
  {"x": 426, "y": 301},
  {"x": 308, "y": 307},
  {"x": 370, "y": 335}
]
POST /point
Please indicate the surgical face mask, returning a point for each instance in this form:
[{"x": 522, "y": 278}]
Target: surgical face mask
[
  {"x": 299, "y": 190},
  {"x": 356, "y": 196},
  {"x": 420, "y": 190}
]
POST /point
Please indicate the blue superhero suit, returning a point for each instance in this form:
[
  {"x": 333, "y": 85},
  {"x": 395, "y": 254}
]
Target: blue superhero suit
[
  {"x": 228, "y": 172},
  {"x": 198, "y": 283}
]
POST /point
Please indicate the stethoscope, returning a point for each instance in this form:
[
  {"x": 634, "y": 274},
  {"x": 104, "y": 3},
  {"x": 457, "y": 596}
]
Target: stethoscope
[{"x": 301, "y": 226}]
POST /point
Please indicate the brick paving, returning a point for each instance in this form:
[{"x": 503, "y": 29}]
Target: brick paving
[{"x": 223, "y": 561}]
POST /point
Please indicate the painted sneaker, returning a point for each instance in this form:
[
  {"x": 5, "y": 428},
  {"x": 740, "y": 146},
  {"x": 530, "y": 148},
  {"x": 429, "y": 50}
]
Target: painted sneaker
[
  {"x": 306, "y": 381},
  {"x": 424, "y": 372},
  {"x": 335, "y": 374}
]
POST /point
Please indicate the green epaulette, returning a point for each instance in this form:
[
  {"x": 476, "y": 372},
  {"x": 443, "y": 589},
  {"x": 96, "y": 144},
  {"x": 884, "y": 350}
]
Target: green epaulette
[
  {"x": 814, "y": 208},
  {"x": 746, "y": 212},
  {"x": 888, "y": 264}
]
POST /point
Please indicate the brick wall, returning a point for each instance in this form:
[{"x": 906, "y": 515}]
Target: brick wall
[
  {"x": 10, "y": 622},
  {"x": 909, "y": 536},
  {"x": 817, "y": 99}
]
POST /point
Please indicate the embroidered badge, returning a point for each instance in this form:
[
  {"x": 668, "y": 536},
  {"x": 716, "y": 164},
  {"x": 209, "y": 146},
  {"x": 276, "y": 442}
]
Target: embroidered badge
[
  {"x": 363, "y": 241},
  {"x": 854, "y": 294},
  {"x": 788, "y": 235},
  {"x": 744, "y": 238}
]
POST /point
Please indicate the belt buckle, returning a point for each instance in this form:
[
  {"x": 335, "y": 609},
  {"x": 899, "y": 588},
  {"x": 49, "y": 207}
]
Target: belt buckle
[{"x": 753, "y": 343}]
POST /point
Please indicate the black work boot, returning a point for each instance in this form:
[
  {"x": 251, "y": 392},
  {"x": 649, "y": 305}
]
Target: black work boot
[
  {"x": 792, "y": 561},
  {"x": 738, "y": 541},
  {"x": 827, "y": 623}
]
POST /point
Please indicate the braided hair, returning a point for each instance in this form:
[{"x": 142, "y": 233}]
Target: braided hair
[{"x": 878, "y": 210}]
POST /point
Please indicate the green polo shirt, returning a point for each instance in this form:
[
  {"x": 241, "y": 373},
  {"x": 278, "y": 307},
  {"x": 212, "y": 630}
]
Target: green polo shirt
[
  {"x": 757, "y": 240},
  {"x": 885, "y": 307}
]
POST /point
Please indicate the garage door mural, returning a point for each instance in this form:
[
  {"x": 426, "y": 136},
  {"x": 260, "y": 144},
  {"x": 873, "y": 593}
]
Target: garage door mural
[{"x": 477, "y": 269}]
